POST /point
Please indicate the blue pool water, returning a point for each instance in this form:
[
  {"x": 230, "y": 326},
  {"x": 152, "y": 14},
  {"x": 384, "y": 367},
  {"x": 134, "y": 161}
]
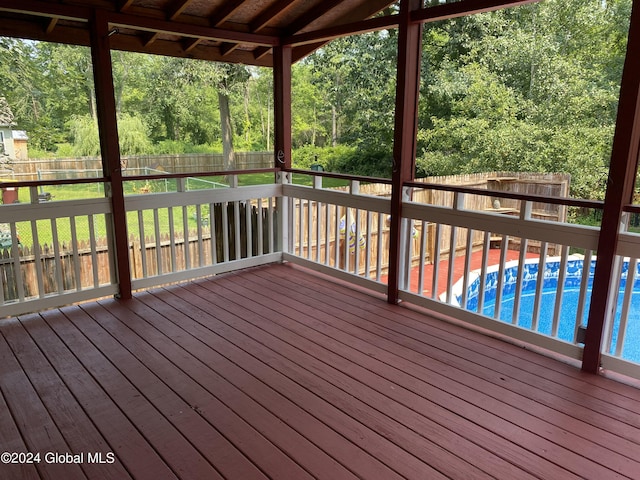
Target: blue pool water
[{"x": 569, "y": 306}]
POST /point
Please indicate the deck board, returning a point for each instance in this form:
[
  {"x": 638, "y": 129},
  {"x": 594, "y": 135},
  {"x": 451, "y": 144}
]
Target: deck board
[{"x": 275, "y": 372}]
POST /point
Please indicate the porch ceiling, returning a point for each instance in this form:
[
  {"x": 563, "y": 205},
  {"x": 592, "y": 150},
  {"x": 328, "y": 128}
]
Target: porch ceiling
[{"x": 237, "y": 31}]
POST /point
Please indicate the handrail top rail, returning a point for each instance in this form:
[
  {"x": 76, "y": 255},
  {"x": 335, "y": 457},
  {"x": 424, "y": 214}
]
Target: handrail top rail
[
  {"x": 218, "y": 173},
  {"x": 634, "y": 208},
  {"x": 566, "y": 201},
  {"x": 129, "y": 178},
  {"x": 43, "y": 183},
  {"x": 341, "y": 176}
]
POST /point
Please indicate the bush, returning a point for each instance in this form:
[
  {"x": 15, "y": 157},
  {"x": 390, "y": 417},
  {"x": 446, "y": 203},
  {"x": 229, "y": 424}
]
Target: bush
[{"x": 344, "y": 159}]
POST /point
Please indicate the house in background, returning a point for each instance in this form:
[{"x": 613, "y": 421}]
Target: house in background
[{"x": 13, "y": 143}]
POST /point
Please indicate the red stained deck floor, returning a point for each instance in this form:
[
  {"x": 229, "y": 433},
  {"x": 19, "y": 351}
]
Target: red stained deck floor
[{"x": 278, "y": 373}]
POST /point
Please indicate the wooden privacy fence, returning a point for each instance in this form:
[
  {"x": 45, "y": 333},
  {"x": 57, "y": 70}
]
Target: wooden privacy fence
[
  {"x": 136, "y": 164},
  {"x": 73, "y": 268}
]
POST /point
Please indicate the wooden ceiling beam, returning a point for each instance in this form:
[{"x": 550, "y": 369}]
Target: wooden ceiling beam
[
  {"x": 190, "y": 30},
  {"x": 46, "y": 9},
  {"x": 463, "y": 8},
  {"x": 331, "y": 33}
]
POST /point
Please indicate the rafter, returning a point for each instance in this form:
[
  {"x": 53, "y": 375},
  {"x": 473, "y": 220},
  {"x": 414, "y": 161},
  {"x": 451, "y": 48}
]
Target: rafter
[
  {"x": 51, "y": 24},
  {"x": 123, "y": 5},
  {"x": 176, "y": 9},
  {"x": 221, "y": 15},
  {"x": 270, "y": 14},
  {"x": 149, "y": 38},
  {"x": 190, "y": 44}
]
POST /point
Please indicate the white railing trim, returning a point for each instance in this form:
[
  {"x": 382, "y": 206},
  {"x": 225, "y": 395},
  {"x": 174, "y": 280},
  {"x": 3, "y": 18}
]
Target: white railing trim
[
  {"x": 553, "y": 232},
  {"x": 628, "y": 245},
  {"x": 25, "y": 212},
  {"x": 336, "y": 197},
  {"x": 187, "y": 275},
  {"x": 334, "y": 272},
  {"x": 56, "y": 300},
  {"x": 184, "y": 199}
]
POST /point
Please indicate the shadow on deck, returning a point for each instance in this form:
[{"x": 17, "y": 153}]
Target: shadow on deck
[{"x": 278, "y": 373}]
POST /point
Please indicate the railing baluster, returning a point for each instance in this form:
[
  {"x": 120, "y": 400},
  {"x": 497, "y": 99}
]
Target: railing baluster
[
  {"x": 37, "y": 258},
  {"x": 260, "y": 228},
  {"x": 225, "y": 232},
  {"x": 309, "y": 228},
  {"x": 271, "y": 226},
  {"x": 504, "y": 247},
  {"x": 582, "y": 297},
  {"x": 423, "y": 257},
  {"x": 562, "y": 276},
  {"x": 236, "y": 225},
  {"x": 453, "y": 242},
  {"x": 327, "y": 235},
  {"x": 172, "y": 239},
  {"x": 185, "y": 238},
  {"x": 467, "y": 268},
  {"x": 436, "y": 262},
  {"x": 213, "y": 233},
  {"x": 247, "y": 222},
  {"x": 94, "y": 253},
  {"x": 336, "y": 237},
  {"x": 626, "y": 305},
  {"x": 486, "y": 246},
  {"x": 542, "y": 265},
  {"x": 379, "y": 255},
  {"x": 367, "y": 255},
  {"x": 356, "y": 266},
  {"x": 524, "y": 246},
  {"x": 76, "y": 255},
  {"x": 15, "y": 254},
  {"x": 199, "y": 233},
  {"x": 318, "y": 227},
  {"x": 300, "y": 228},
  {"x": 143, "y": 244},
  {"x": 156, "y": 225},
  {"x": 56, "y": 259}
]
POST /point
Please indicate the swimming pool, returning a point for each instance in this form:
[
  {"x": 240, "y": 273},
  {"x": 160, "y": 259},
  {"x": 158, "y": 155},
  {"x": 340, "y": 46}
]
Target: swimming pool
[{"x": 570, "y": 299}]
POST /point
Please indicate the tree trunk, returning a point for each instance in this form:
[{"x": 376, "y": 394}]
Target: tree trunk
[
  {"x": 334, "y": 126},
  {"x": 227, "y": 132}
]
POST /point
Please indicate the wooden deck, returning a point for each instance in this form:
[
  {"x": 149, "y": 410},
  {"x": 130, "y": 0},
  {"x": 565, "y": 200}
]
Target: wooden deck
[{"x": 278, "y": 373}]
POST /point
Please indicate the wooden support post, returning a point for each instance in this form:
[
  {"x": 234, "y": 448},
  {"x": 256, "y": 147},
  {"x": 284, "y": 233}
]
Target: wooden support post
[
  {"x": 406, "y": 121},
  {"x": 282, "y": 105},
  {"x": 282, "y": 143},
  {"x": 109, "y": 146},
  {"x": 622, "y": 172}
]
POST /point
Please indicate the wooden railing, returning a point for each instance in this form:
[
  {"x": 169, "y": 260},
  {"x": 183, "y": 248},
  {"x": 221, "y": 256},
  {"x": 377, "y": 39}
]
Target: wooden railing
[
  {"x": 64, "y": 261},
  {"x": 474, "y": 265},
  {"x": 342, "y": 233},
  {"x": 622, "y": 328},
  {"x": 177, "y": 236}
]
